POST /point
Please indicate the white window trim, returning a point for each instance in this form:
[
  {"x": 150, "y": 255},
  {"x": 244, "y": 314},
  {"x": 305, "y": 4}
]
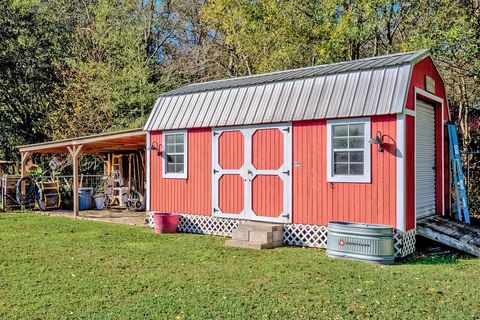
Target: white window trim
[
  {"x": 366, "y": 177},
  {"x": 184, "y": 174}
]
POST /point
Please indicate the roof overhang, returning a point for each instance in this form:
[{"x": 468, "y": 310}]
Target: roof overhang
[{"x": 120, "y": 141}]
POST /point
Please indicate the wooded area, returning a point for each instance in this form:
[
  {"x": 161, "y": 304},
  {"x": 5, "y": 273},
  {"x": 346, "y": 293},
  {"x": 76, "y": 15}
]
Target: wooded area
[{"x": 70, "y": 68}]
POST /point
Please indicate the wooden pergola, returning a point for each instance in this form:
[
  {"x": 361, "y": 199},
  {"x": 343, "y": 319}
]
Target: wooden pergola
[{"x": 120, "y": 141}]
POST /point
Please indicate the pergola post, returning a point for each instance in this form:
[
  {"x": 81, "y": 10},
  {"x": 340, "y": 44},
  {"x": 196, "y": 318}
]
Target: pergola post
[
  {"x": 75, "y": 152},
  {"x": 23, "y": 165}
]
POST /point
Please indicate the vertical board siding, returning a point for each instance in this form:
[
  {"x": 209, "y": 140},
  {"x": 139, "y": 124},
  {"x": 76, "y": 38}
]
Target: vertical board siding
[
  {"x": 191, "y": 195},
  {"x": 267, "y": 149},
  {"x": 316, "y": 201},
  {"x": 231, "y": 193},
  {"x": 267, "y": 196},
  {"x": 231, "y": 150},
  {"x": 420, "y": 70}
]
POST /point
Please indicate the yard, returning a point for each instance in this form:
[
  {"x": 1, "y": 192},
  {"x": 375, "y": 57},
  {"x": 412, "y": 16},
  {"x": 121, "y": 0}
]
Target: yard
[{"x": 56, "y": 267}]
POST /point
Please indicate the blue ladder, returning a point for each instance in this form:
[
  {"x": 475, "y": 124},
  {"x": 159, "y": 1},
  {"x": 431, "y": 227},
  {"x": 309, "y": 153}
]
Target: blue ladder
[{"x": 458, "y": 174}]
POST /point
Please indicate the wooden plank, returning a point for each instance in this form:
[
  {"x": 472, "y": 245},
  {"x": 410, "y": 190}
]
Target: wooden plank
[{"x": 449, "y": 241}]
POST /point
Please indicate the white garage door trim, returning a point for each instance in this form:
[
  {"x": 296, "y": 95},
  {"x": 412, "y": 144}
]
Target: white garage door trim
[
  {"x": 440, "y": 104},
  {"x": 425, "y": 170}
]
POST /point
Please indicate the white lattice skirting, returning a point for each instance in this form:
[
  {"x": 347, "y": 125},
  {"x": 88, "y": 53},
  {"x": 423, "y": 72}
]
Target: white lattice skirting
[
  {"x": 404, "y": 243},
  {"x": 304, "y": 235}
]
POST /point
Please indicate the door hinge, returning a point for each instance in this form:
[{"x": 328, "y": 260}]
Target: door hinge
[
  {"x": 215, "y": 133},
  {"x": 215, "y": 171},
  {"x": 286, "y": 215},
  {"x": 286, "y": 172},
  {"x": 215, "y": 210},
  {"x": 287, "y": 129}
]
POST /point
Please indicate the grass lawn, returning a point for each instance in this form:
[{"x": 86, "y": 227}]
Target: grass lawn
[{"x": 54, "y": 267}]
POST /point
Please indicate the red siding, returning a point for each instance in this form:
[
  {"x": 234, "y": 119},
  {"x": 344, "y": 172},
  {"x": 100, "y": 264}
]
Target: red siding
[
  {"x": 267, "y": 196},
  {"x": 267, "y": 149},
  {"x": 420, "y": 70},
  {"x": 231, "y": 193},
  {"x": 410, "y": 173},
  {"x": 230, "y": 149},
  {"x": 316, "y": 201},
  {"x": 191, "y": 195}
]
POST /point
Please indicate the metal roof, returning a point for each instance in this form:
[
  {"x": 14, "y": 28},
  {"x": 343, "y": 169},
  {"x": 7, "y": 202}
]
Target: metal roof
[{"x": 372, "y": 86}]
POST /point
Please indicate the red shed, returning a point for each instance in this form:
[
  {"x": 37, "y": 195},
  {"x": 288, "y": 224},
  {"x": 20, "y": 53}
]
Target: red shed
[{"x": 358, "y": 141}]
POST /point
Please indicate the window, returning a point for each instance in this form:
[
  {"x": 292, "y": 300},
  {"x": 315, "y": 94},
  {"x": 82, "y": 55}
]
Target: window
[
  {"x": 348, "y": 154},
  {"x": 175, "y": 154}
]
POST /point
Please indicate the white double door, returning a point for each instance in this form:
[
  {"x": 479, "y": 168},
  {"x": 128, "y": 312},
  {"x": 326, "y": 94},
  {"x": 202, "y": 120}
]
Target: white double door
[{"x": 252, "y": 173}]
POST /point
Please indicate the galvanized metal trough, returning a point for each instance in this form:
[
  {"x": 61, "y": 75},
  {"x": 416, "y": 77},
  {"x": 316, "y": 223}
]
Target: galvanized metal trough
[{"x": 358, "y": 241}]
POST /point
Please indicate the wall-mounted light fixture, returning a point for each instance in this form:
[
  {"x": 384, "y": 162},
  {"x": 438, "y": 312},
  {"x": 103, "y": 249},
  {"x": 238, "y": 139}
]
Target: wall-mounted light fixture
[
  {"x": 155, "y": 147},
  {"x": 378, "y": 140}
]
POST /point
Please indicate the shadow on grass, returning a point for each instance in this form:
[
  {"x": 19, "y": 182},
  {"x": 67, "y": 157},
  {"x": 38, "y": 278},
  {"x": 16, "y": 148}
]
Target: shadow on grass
[
  {"x": 420, "y": 259},
  {"x": 430, "y": 252}
]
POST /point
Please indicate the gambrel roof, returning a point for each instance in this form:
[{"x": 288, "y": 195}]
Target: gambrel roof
[{"x": 372, "y": 86}]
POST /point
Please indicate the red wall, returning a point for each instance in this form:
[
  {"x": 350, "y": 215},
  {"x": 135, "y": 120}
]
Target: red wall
[
  {"x": 191, "y": 195},
  {"x": 420, "y": 70},
  {"x": 316, "y": 201}
]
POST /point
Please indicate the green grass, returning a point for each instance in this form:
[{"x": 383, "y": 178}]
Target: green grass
[{"x": 53, "y": 268}]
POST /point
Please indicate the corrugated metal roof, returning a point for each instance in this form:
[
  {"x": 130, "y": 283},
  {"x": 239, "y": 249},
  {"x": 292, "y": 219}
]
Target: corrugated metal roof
[{"x": 371, "y": 86}]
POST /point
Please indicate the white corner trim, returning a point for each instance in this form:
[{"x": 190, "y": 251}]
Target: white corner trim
[
  {"x": 184, "y": 174},
  {"x": 149, "y": 170},
  {"x": 366, "y": 177},
  {"x": 400, "y": 174}
]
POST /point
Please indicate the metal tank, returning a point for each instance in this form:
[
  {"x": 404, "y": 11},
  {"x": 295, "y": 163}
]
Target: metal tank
[{"x": 358, "y": 241}]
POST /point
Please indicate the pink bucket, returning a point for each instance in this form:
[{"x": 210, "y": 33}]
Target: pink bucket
[{"x": 165, "y": 222}]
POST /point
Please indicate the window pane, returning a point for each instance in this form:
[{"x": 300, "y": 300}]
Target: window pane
[
  {"x": 340, "y": 156},
  {"x": 170, "y": 168},
  {"x": 179, "y": 159},
  {"x": 170, "y": 159},
  {"x": 340, "y": 168},
  {"x": 179, "y": 148},
  {"x": 340, "y": 143},
  {"x": 169, "y": 139},
  {"x": 356, "y": 156},
  {"x": 340, "y": 131},
  {"x": 356, "y": 168},
  {"x": 179, "y": 168},
  {"x": 179, "y": 138},
  {"x": 356, "y": 142},
  {"x": 356, "y": 130},
  {"x": 170, "y": 148}
]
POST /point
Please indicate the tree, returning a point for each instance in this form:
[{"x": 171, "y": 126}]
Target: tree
[{"x": 32, "y": 48}]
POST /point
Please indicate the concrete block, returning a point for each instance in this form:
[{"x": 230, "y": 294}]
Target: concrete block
[
  {"x": 261, "y": 236},
  {"x": 241, "y": 235},
  {"x": 261, "y": 226},
  {"x": 248, "y": 245},
  {"x": 278, "y": 236},
  {"x": 245, "y": 227}
]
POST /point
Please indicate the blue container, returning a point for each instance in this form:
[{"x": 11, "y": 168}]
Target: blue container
[{"x": 85, "y": 198}]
